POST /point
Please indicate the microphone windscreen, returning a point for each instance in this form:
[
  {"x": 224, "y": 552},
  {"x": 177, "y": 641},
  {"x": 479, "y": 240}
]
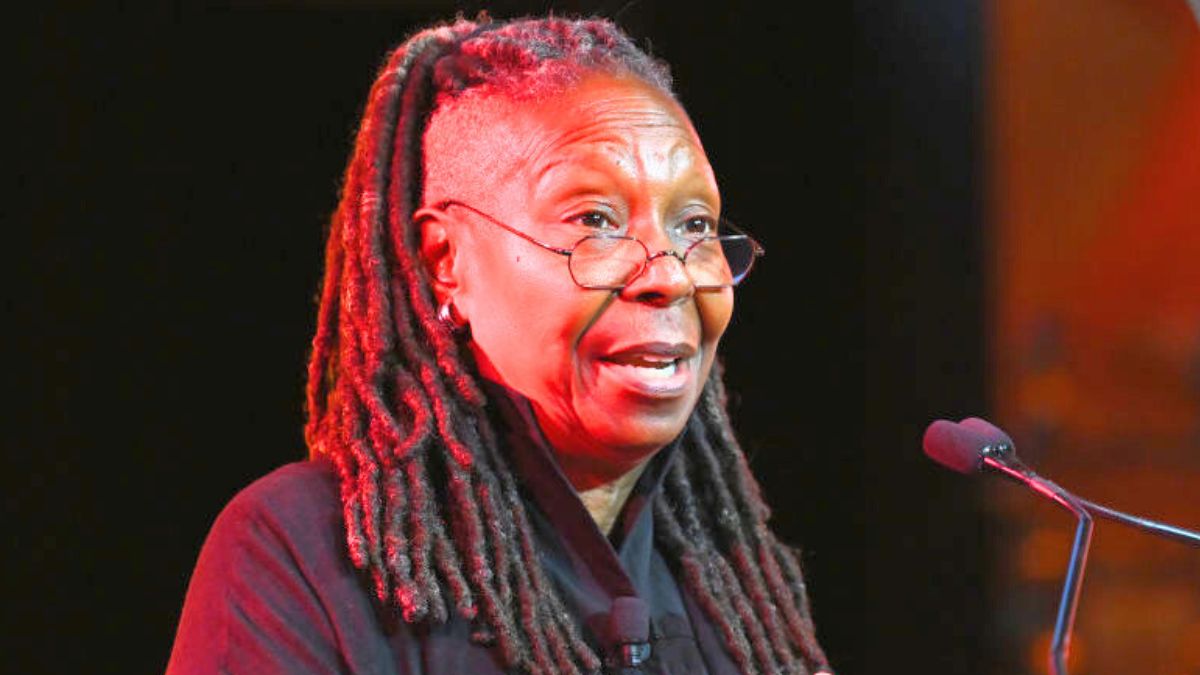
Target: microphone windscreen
[
  {"x": 954, "y": 446},
  {"x": 994, "y": 434},
  {"x": 629, "y": 621}
]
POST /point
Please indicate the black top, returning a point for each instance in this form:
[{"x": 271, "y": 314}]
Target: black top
[{"x": 274, "y": 590}]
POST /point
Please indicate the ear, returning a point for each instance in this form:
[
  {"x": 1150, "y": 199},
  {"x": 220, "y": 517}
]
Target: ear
[{"x": 437, "y": 250}]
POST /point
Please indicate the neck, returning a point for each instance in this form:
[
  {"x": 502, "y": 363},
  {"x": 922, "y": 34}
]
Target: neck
[
  {"x": 605, "y": 501},
  {"x": 602, "y": 487}
]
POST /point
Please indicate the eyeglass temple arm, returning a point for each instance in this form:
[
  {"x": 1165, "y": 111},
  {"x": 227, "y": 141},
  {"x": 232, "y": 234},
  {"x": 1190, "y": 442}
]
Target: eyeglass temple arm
[{"x": 553, "y": 249}]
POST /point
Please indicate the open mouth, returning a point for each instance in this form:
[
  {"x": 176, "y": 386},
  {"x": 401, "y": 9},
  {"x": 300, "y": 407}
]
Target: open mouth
[
  {"x": 652, "y": 367},
  {"x": 655, "y": 370}
]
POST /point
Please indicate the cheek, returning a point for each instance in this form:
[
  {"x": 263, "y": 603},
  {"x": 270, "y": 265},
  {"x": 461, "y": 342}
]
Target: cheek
[
  {"x": 716, "y": 309},
  {"x": 526, "y": 315},
  {"x": 488, "y": 281}
]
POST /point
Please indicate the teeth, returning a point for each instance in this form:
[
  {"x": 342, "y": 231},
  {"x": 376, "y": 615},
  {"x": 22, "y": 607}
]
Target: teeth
[
  {"x": 651, "y": 362},
  {"x": 653, "y": 369}
]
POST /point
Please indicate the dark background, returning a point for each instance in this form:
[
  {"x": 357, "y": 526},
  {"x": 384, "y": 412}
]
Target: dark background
[{"x": 175, "y": 168}]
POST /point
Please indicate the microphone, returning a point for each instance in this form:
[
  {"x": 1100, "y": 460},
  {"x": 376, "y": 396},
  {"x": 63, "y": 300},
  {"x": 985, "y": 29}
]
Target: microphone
[
  {"x": 629, "y": 634},
  {"x": 975, "y": 443},
  {"x": 997, "y": 447},
  {"x": 972, "y": 444}
]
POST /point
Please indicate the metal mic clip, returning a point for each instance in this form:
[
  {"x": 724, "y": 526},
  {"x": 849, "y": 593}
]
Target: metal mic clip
[
  {"x": 629, "y": 635},
  {"x": 632, "y": 654}
]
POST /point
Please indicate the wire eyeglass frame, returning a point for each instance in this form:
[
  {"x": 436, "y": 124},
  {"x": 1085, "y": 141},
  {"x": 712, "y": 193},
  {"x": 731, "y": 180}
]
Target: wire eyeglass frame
[{"x": 756, "y": 250}]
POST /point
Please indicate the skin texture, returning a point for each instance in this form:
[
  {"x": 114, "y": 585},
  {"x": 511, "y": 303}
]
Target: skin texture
[
  {"x": 609, "y": 154},
  {"x": 604, "y": 502}
]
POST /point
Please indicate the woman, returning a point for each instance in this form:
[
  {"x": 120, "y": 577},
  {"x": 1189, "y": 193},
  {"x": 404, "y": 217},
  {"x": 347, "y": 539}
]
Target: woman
[{"x": 520, "y": 457}]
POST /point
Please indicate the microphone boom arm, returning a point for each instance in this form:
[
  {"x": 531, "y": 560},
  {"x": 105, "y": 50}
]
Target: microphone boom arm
[
  {"x": 1152, "y": 526},
  {"x": 1001, "y": 458},
  {"x": 974, "y": 443}
]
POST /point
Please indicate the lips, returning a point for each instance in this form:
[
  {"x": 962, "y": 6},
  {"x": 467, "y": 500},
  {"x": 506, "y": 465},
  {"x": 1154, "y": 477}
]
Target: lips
[
  {"x": 652, "y": 352},
  {"x": 654, "y": 369}
]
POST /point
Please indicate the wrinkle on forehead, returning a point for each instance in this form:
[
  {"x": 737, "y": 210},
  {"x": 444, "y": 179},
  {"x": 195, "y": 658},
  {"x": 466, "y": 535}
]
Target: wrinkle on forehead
[
  {"x": 473, "y": 146},
  {"x": 602, "y": 152},
  {"x": 613, "y": 118},
  {"x": 614, "y": 125}
]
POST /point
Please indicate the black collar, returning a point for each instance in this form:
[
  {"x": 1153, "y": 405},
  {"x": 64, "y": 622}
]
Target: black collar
[{"x": 618, "y": 563}]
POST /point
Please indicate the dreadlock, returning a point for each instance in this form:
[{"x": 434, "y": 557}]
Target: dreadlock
[{"x": 432, "y": 511}]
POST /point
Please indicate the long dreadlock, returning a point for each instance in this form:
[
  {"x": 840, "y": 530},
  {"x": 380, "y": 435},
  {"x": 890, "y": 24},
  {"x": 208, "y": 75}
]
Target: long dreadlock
[{"x": 432, "y": 512}]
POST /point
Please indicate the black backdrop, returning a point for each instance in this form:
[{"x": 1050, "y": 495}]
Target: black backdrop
[{"x": 175, "y": 168}]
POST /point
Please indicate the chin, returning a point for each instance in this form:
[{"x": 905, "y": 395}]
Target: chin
[
  {"x": 646, "y": 424},
  {"x": 633, "y": 437},
  {"x": 603, "y": 445}
]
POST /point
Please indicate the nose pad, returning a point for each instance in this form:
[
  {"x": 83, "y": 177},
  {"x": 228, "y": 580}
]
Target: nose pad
[
  {"x": 662, "y": 282},
  {"x": 667, "y": 251}
]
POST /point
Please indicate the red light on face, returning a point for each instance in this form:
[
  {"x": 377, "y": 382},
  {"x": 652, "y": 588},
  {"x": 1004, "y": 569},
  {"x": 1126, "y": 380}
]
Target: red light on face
[{"x": 612, "y": 375}]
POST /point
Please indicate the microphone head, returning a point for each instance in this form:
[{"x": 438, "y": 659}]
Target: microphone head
[
  {"x": 994, "y": 434},
  {"x": 629, "y": 620},
  {"x": 954, "y": 446}
]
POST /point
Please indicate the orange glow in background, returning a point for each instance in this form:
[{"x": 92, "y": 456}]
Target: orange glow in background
[{"x": 1095, "y": 317}]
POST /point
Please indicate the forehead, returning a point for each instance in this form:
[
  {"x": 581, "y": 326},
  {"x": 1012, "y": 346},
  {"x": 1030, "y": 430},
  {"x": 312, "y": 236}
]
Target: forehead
[
  {"x": 606, "y": 119},
  {"x": 478, "y": 142}
]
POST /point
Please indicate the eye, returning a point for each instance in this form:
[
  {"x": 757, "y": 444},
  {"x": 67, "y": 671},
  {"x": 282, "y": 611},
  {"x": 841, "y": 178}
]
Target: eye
[
  {"x": 696, "y": 227},
  {"x": 596, "y": 220}
]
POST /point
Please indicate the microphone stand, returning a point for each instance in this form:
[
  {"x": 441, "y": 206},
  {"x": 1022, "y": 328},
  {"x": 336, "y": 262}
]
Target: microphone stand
[
  {"x": 975, "y": 442},
  {"x": 1001, "y": 458}
]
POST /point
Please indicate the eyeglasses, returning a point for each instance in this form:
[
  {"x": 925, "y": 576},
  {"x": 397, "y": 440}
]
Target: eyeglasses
[{"x": 612, "y": 261}]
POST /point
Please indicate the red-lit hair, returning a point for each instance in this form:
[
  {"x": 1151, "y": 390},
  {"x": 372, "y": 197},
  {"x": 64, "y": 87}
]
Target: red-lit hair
[{"x": 431, "y": 507}]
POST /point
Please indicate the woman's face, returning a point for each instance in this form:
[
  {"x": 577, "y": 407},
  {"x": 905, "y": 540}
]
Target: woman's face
[{"x": 612, "y": 375}]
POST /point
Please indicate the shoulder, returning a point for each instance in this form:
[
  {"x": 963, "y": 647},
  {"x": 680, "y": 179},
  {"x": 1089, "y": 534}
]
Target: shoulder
[
  {"x": 308, "y": 487},
  {"x": 291, "y": 517},
  {"x": 272, "y": 574},
  {"x": 293, "y": 513}
]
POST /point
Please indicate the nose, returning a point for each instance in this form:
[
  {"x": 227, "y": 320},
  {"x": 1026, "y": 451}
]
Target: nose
[{"x": 664, "y": 281}]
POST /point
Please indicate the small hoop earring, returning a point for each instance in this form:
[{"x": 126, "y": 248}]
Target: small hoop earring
[{"x": 449, "y": 318}]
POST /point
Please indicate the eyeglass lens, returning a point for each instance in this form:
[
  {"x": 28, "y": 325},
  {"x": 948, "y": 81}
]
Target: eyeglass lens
[{"x": 611, "y": 262}]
